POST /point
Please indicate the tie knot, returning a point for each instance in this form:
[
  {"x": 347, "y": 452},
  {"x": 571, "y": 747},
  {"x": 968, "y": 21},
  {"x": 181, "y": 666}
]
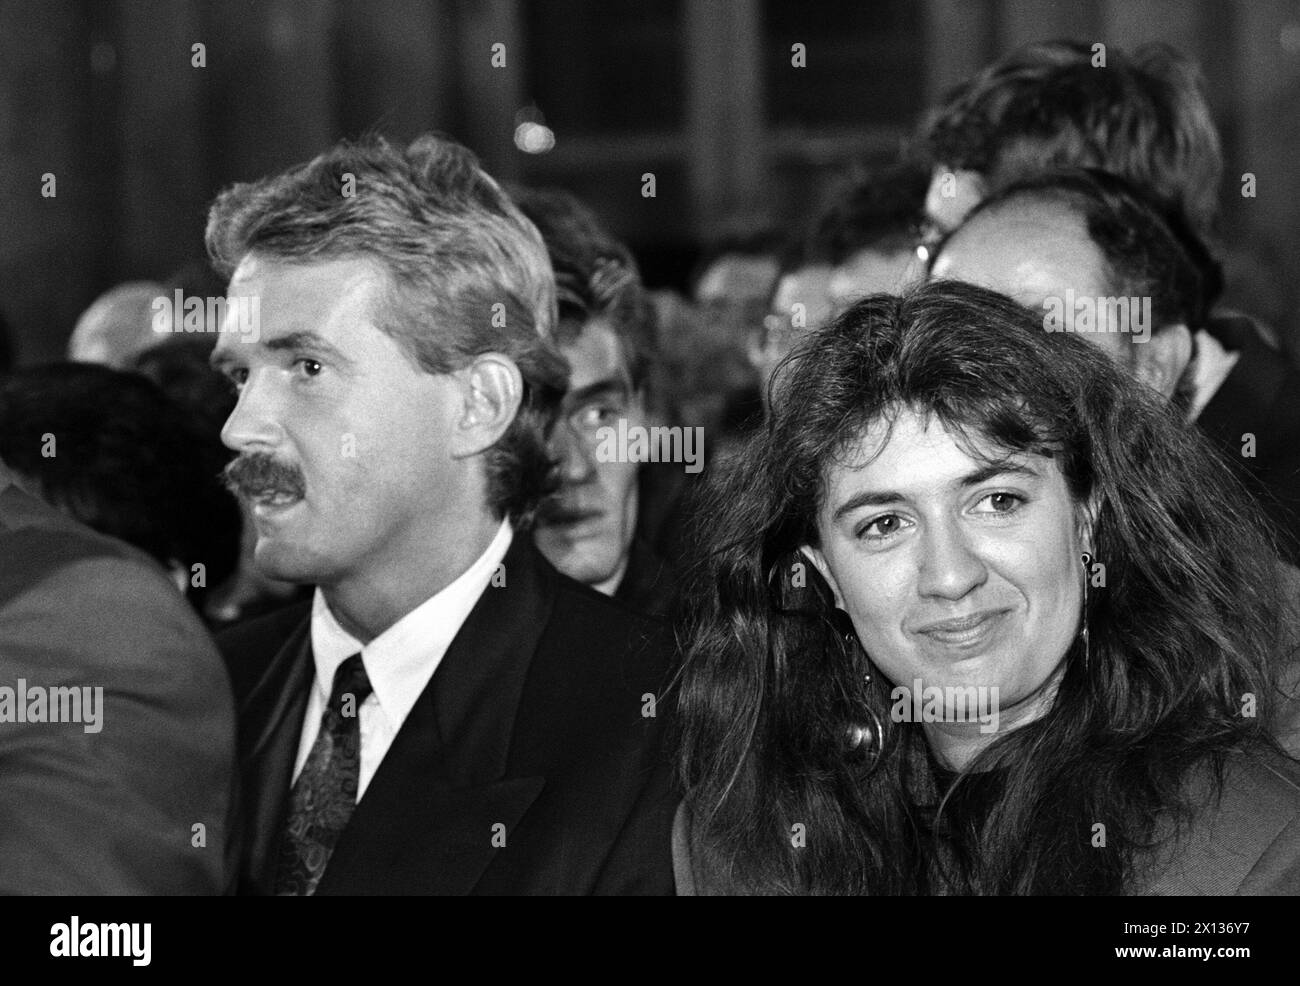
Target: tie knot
[{"x": 350, "y": 679}]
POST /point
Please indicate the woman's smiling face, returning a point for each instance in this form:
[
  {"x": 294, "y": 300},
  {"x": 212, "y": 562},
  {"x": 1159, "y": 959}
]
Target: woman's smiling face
[{"x": 954, "y": 572}]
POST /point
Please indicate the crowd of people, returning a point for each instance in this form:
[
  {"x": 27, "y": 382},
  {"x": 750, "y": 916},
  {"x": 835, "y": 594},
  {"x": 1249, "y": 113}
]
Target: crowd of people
[{"x": 945, "y": 547}]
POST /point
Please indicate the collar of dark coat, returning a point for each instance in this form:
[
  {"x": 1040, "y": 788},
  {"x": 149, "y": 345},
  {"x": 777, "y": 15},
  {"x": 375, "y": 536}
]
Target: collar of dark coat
[
  {"x": 19, "y": 510},
  {"x": 648, "y": 585},
  {"x": 37, "y": 541},
  {"x": 1246, "y": 400},
  {"x": 426, "y": 819}
]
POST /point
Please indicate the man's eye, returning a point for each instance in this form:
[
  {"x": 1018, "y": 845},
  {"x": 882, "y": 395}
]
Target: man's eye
[
  {"x": 309, "y": 366},
  {"x": 595, "y": 415},
  {"x": 1002, "y": 503}
]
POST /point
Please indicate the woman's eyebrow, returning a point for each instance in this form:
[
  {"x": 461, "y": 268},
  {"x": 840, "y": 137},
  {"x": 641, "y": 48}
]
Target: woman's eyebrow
[
  {"x": 880, "y": 498},
  {"x": 867, "y": 498},
  {"x": 995, "y": 469}
]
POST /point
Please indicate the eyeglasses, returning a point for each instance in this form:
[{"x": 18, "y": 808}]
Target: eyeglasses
[{"x": 929, "y": 235}]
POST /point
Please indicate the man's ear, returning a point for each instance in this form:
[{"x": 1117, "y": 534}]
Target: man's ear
[
  {"x": 1162, "y": 359},
  {"x": 815, "y": 556},
  {"x": 492, "y": 389}
]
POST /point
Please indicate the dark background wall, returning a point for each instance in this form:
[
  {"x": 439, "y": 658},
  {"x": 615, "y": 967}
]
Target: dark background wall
[{"x": 103, "y": 94}]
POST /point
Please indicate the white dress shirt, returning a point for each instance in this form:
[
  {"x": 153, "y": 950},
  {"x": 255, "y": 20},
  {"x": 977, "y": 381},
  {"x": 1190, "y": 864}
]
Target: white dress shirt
[
  {"x": 1212, "y": 366},
  {"x": 399, "y": 662}
]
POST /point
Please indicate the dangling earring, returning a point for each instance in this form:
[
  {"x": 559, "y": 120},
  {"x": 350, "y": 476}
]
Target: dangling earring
[
  {"x": 861, "y": 738},
  {"x": 1083, "y": 620}
]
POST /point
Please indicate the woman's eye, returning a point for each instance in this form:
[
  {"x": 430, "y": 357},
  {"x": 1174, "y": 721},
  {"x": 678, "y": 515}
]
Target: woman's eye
[
  {"x": 881, "y": 527},
  {"x": 236, "y": 377}
]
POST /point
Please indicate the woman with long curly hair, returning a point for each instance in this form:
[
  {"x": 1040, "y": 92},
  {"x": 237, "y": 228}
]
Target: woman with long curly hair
[{"x": 978, "y": 615}]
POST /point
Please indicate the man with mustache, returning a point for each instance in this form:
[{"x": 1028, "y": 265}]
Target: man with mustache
[{"x": 449, "y": 715}]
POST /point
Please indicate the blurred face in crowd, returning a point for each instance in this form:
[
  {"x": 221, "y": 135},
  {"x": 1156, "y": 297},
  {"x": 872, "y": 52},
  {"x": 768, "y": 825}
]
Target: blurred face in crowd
[
  {"x": 118, "y": 325},
  {"x": 874, "y": 272},
  {"x": 802, "y": 301},
  {"x": 350, "y": 459},
  {"x": 586, "y": 528},
  {"x": 953, "y": 571},
  {"x": 737, "y": 279},
  {"x": 1035, "y": 251},
  {"x": 732, "y": 294}
]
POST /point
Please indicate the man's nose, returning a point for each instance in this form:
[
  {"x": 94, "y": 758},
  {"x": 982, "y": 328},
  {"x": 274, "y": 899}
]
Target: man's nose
[
  {"x": 255, "y": 422},
  {"x": 577, "y": 458}
]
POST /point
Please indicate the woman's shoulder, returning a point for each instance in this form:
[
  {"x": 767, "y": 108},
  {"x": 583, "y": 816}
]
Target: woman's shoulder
[
  {"x": 695, "y": 869},
  {"x": 683, "y": 872},
  {"x": 1245, "y": 842}
]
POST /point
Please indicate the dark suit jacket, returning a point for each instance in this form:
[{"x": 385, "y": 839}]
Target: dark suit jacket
[
  {"x": 1261, "y": 397},
  {"x": 531, "y": 729},
  {"x": 649, "y": 585},
  {"x": 108, "y": 812}
]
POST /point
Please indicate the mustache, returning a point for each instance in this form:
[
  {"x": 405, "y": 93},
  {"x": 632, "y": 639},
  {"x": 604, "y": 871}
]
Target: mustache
[{"x": 258, "y": 474}]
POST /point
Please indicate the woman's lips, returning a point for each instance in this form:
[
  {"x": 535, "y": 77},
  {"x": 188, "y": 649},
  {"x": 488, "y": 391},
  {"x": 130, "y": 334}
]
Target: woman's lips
[{"x": 964, "y": 631}]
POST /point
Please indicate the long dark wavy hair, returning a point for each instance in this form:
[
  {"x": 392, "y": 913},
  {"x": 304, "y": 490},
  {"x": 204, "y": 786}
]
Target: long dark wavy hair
[{"x": 1183, "y": 635}]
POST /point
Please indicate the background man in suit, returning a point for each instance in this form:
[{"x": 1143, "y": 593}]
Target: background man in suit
[
  {"x": 136, "y": 797},
  {"x": 450, "y": 714},
  {"x": 1144, "y": 117},
  {"x": 1076, "y": 238}
]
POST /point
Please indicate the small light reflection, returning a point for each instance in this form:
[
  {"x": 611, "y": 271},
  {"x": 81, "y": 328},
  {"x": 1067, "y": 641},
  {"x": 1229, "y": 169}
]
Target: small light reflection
[{"x": 534, "y": 138}]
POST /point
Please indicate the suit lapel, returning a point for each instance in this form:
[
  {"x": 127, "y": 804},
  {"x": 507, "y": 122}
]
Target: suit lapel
[
  {"x": 426, "y": 822},
  {"x": 270, "y": 729}
]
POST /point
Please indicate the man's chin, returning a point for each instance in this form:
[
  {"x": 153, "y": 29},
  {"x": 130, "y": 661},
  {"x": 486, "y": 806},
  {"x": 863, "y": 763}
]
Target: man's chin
[
  {"x": 577, "y": 560},
  {"x": 287, "y": 563},
  {"x": 572, "y": 530}
]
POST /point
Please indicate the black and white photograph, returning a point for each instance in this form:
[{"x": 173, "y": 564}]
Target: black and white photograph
[{"x": 650, "y": 448}]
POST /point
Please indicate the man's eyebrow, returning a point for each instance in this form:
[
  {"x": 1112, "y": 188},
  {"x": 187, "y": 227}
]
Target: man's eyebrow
[
  {"x": 599, "y": 389},
  {"x": 880, "y": 498},
  {"x": 306, "y": 339}
]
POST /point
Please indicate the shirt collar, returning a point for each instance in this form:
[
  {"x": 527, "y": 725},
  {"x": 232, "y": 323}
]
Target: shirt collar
[
  {"x": 402, "y": 659},
  {"x": 1209, "y": 369}
]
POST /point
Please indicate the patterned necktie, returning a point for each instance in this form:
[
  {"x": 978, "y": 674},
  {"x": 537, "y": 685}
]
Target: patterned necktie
[{"x": 325, "y": 793}]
